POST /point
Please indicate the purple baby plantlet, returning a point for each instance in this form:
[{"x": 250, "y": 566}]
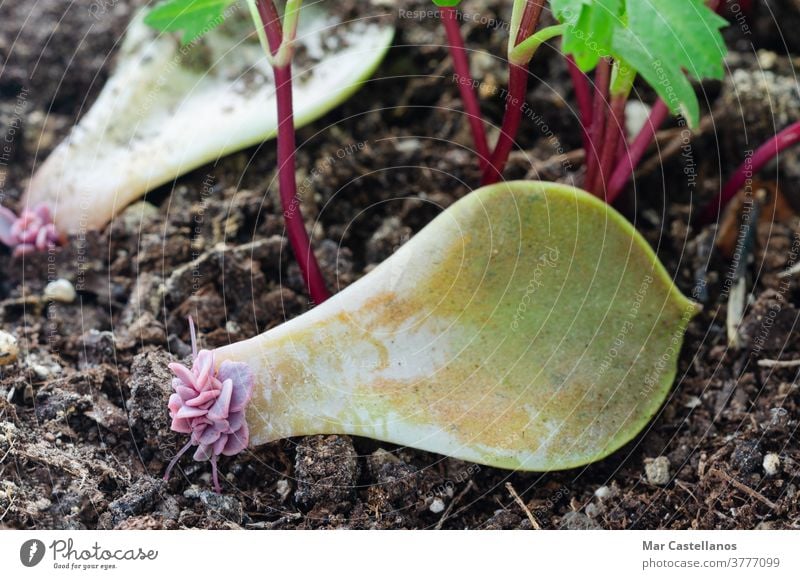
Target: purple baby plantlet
[
  {"x": 33, "y": 230},
  {"x": 209, "y": 405}
]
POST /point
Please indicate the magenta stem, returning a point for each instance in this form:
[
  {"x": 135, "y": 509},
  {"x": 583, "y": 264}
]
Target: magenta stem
[
  {"x": 614, "y": 134},
  {"x": 602, "y": 77},
  {"x": 466, "y": 84},
  {"x": 763, "y": 155},
  {"x": 530, "y": 18},
  {"x": 584, "y": 97},
  {"x": 517, "y": 88},
  {"x": 515, "y": 100},
  {"x": 295, "y": 225},
  {"x": 628, "y": 163}
]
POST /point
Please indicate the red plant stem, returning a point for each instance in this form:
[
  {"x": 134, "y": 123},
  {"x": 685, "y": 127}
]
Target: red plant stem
[
  {"x": 466, "y": 84},
  {"x": 515, "y": 100},
  {"x": 272, "y": 24},
  {"x": 295, "y": 226},
  {"x": 763, "y": 155},
  {"x": 530, "y": 18},
  {"x": 602, "y": 78},
  {"x": 583, "y": 95},
  {"x": 614, "y": 133},
  {"x": 628, "y": 163}
]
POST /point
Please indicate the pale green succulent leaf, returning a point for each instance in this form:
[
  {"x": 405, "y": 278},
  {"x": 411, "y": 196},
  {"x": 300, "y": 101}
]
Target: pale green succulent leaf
[{"x": 529, "y": 326}]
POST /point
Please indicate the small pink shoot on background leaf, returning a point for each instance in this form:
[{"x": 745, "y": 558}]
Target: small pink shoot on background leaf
[
  {"x": 33, "y": 230},
  {"x": 209, "y": 405}
]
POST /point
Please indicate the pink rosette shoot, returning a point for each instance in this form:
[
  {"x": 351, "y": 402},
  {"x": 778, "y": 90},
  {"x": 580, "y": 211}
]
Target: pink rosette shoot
[
  {"x": 33, "y": 230},
  {"x": 210, "y": 406}
]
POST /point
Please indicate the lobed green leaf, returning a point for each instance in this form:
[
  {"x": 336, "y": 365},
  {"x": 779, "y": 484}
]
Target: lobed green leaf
[
  {"x": 662, "y": 39},
  {"x": 193, "y": 17}
]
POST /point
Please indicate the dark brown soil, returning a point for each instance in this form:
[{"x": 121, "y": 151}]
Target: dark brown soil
[{"x": 84, "y": 434}]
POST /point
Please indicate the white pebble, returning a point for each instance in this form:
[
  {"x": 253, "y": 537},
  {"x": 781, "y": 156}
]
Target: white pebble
[
  {"x": 8, "y": 349},
  {"x": 636, "y": 114},
  {"x": 138, "y": 214},
  {"x": 693, "y": 402},
  {"x": 42, "y": 372},
  {"x": 657, "y": 471},
  {"x": 283, "y": 488},
  {"x": 771, "y": 464},
  {"x": 437, "y": 505},
  {"x": 602, "y": 493},
  {"x": 60, "y": 290}
]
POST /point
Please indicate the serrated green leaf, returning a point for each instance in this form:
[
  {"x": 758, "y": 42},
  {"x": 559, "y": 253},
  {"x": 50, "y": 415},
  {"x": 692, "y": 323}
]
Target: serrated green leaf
[
  {"x": 662, "y": 39},
  {"x": 193, "y": 17},
  {"x": 567, "y": 11},
  {"x": 685, "y": 33},
  {"x": 588, "y": 37},
  {"x": 669, "y": 81}
]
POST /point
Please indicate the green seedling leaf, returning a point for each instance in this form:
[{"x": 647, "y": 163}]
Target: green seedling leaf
[
  {"x": 669, "y": 82},
  {"x": 447, "y": 3},
  {"x": 529, "y": 326},
  {"x": 590, "y": 28},
  {"x": 685, "y": 34},
  {"x": 167, "y": 109},
  {"x": 193, "y": 17},
  {"x": 663, "y": 40}
]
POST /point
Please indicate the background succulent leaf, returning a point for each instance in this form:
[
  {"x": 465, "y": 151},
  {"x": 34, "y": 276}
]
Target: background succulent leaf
[{"x": 168, "y": 109}]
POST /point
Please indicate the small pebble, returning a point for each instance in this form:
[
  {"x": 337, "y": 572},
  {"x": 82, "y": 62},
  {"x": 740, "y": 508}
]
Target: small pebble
[
  {"x": 407, "y": 146},
  {"x": 657, "y": 471},
  {"x": 437, "y": 505},
  {"x": 42, "y": 372},
  {"x": 747, "y": 456},
  {"x": 223, "y": 507},
  {"x": 136, "y": 215},
  {"x": 8, "y": 349},
  {"x": 602, "y": 493},
  {"x": 771, "y": 464},
  {"x": 693, "y": 402},
  {"x": 779, "y": 418},
  {"x": 60, "y": 290},
  {"x": 283, "y": 488},
  {"x": 636, "y": 115}
]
